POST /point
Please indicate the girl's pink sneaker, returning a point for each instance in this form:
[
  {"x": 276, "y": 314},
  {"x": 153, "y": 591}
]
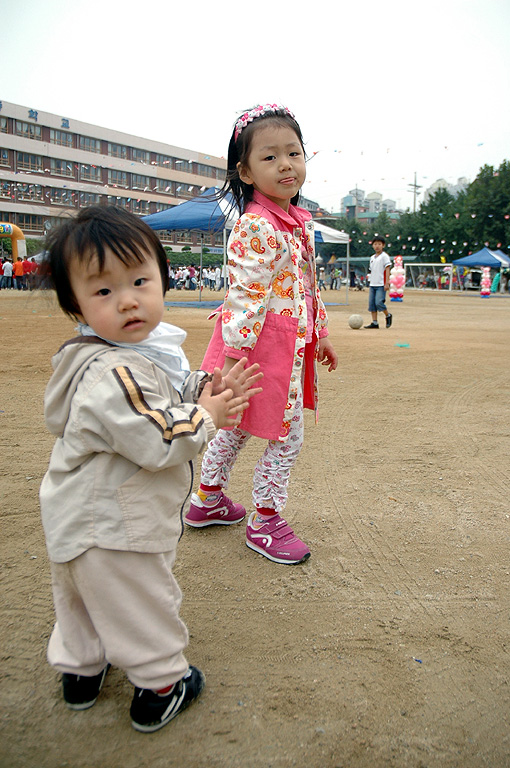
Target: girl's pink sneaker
[
  {"x": 223, "y": 512},
  {"x": 277, "y": 541}
]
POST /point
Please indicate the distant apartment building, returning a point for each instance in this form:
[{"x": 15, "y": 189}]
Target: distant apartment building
[
  {"x": 310, "y": 205},
  {"x": 454, "y": 189},
  {"x": 357, "y": 205},
  {"x": 51, "y": 165}
]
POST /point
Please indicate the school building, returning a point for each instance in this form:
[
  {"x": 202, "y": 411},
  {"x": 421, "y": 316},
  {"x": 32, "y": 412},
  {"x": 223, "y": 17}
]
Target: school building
[{"x": 51, "y": 165}]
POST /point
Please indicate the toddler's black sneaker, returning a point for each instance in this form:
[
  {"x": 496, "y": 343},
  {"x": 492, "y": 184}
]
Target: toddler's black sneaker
[
  {"x": 81, "y": 692},
  {"x": 389, "y": 320},
  {"x": 372, "y": 325},
  {"x": 150, "y": 712}
]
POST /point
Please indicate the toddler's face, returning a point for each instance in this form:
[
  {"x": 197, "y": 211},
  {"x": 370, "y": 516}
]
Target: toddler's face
[{"x": 122, "y": 303}]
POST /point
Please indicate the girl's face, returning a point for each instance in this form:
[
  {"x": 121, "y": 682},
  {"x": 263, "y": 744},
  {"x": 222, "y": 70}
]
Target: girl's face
[{"x": 276, "y": 164}]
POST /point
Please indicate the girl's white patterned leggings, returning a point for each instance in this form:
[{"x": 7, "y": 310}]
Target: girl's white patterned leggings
[{"x": 272, "y": 472}]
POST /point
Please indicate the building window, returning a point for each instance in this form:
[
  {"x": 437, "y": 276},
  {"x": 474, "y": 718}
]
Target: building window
[
  {"x": 117, "y": 150},
  {"x": 117, "y": 178},
  {"x": 3, "y": 125},
  {"x": 187, "y": 190},
  {"x": 28, "y": 222},
  {"x": 89, "y": 198},
  {"x": 165, "y": 161},
  {"x": 141, "y": 207},
  {"x": 163, "y": 207},
  {"x": 31, "y": 192},
  {"x": 221, "y": 174},
  {"x": 27, "y": 162},
  {"x": 141, "y": 156},
  {"x": 4, "y": 157},
  {"x": 163, "y": 185},
  {"x": 206, "y": 170},
  {"x": 61, "y": 167},
  {"x": 140, "y": 182},
  {"x": 62, "y": 138},
  {"x": 28, "y": 130},
  {"x": 61, "y": 197},
  {"x": 89, "y": 144},
  {"x": 90, "y": 172},
  {"x": 120, "y": 202},
  {"x": 184, "y": 237},
  {"x": 5, "y": 189},
  {"x": 183, "y": 165}
]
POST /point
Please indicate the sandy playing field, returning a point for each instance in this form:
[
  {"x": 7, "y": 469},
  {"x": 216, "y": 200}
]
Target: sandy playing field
[{"x": 388, "y": 647}]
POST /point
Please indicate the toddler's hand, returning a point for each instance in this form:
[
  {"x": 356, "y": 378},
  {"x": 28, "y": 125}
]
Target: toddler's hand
[
  {"x": 236, "y": 377},
  {"x": 224, "y": 409}
]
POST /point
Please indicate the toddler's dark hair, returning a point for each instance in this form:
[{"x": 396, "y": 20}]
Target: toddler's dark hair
[
  {"x": 86, "y": 236},
  {"x": 238, "y": 151}
]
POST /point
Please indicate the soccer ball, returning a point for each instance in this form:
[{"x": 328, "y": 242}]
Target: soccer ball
[{"x": 355, "y": 321}]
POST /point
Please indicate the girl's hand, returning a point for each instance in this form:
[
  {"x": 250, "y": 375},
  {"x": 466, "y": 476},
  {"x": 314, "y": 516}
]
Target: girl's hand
[
  {"x": 236, "y": 377},
  {"x": 326, "y": 354},
  {"x": 224, "y": 409}
]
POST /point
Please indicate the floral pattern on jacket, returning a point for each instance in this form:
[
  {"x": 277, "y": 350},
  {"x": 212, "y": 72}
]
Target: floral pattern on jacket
[{"x": 265, "y": 273}]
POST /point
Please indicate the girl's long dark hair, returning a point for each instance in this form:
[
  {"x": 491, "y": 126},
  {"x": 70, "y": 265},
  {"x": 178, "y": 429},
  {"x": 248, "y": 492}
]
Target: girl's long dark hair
[{"x": 239, "y": 150}]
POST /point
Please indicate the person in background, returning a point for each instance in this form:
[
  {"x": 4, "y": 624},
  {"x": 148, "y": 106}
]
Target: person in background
[
  {"x": 18, "y": 273},
  {"x": 379, "y": 277},
  {"x": 217, "y": 278},
  {"x": 7, "y": 278}
]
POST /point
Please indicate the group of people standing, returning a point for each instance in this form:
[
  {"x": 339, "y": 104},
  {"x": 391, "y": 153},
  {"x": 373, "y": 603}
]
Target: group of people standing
[
  {"x": 190, "y": 278},
  {"x": 20, "y": 275}
]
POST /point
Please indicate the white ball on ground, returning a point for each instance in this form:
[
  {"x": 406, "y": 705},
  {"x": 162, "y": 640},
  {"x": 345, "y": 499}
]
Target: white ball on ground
[{"x": 355, "y": 321}]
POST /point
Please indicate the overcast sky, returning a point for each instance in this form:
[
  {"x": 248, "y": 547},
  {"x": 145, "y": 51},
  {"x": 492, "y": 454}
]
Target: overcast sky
[{"x": 381, "y": 89}]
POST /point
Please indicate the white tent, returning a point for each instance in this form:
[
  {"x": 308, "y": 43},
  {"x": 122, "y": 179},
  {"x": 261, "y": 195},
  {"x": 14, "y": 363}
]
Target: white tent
[{"x": 325, "y": 234}]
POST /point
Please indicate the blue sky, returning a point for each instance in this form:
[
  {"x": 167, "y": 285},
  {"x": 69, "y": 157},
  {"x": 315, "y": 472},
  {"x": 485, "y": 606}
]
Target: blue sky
[{"x": 381, "y": 89}]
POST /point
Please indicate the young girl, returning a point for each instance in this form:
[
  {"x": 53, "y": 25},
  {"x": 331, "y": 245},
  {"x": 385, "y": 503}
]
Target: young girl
[{"x": 272, "y": 314}]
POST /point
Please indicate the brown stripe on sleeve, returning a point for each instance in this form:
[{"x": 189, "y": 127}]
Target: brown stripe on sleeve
[{"x": 137, "y": 402}]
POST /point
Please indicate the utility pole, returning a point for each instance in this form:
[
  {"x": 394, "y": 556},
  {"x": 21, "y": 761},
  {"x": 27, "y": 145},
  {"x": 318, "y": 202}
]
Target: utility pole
[{"x": 414, "y": 189}]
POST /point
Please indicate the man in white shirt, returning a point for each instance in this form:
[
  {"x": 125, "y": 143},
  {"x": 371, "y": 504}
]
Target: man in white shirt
[
  {"x": 379, "y": 277},
  {"x": 7, "y": 278}
]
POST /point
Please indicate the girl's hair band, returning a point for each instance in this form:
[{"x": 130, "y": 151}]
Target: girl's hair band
[{"x": 259, "y": 111}]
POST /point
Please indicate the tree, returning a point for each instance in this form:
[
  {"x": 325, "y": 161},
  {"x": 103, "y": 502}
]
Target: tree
[
  {"x": 382, "y": 225},
  {"x": 487, "y": 205}
]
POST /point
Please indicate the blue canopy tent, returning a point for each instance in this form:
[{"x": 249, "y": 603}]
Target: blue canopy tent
[
  {"x": 201, "y": 214},
  {"x": 484, "y": 258},
  {"x": 204, "y": 213}
]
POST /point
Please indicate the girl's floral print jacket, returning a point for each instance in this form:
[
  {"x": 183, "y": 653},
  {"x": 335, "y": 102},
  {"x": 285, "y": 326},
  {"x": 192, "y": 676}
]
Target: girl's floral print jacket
[{"x": 264, "y": 315}]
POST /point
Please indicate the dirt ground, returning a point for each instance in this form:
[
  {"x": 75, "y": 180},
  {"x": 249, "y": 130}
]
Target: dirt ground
[{"x": 388, "y": 647}]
